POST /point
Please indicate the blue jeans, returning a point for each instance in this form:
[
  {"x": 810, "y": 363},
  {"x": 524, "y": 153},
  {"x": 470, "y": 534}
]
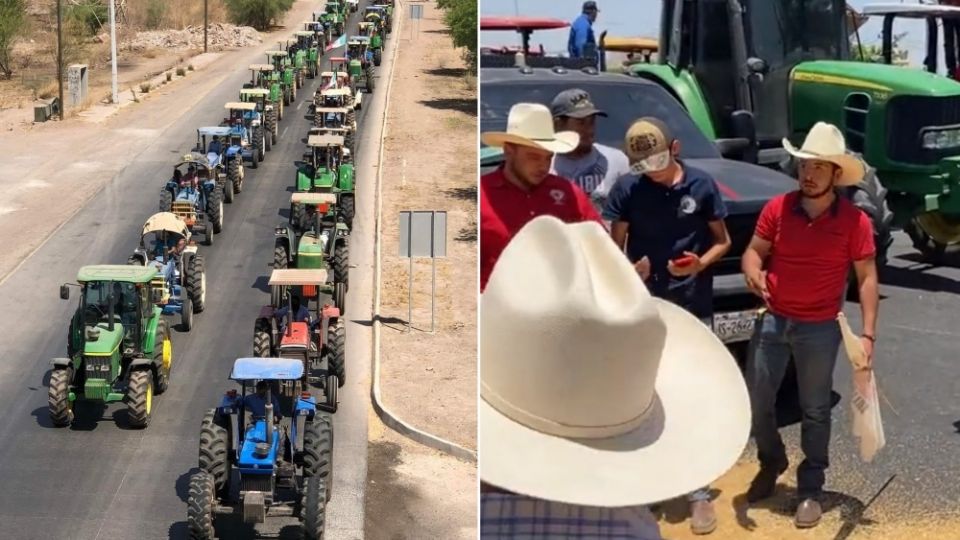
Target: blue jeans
[{"x": 814, "y": 347}]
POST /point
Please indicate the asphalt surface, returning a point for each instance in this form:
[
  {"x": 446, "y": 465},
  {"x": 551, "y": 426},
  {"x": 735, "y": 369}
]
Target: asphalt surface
[
  {"x": 916, "y": 366},
  {"x": 97, "y": 479}
]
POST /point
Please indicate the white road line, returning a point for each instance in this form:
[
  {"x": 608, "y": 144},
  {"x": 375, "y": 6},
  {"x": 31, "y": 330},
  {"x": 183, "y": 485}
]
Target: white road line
[{"x": 284, "y": 132}]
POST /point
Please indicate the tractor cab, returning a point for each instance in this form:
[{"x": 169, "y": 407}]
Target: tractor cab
[
  {"x": 365, "y": 28},
  {"x": 358, "y": 53},
  {"x": 935, "y": 17},
  {"x": 638, "y": 50},
  {"x": 327, "y": 168},
  {"x": 273, "y": 442},
  {"x": 335, "y": 97},
  {"x": 287, "y": 77},
  {"x": 213, "y": 142},
  {"x": 525, "y": 55},
  {"x": 333, "y": 119},
  {"x": 257, "y": 96},
  {"x": 262, "y": 76},
  {"x": 193, "y": 194},
  {"x": 316, "y": 238}
]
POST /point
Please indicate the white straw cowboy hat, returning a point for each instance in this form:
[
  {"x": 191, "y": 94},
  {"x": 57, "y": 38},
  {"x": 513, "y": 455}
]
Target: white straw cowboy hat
[
  {"x": 825, "y": 142},
  {"x": 531, "y": 124},
  {"x": 593, "y": 391}
]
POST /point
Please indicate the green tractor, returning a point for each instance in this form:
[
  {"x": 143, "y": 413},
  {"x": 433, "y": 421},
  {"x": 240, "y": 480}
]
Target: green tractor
[
  {"x": 288, "y": 76},
  {"x": 267, "y": 110},
  {"x": 326, "y": 168},
  {"x": 266, "y": 77},
  {"x": 370, "y": 29},
  {"x": 308, "y": 44},
  {"x": 751, "y": 72},
  {"x": 383, "y": 16},
  {"x": 360, "y": 66},
  {"x": 340, "y": 121},
  {"x": 321, "y": 34},
  {"x": 297, "y": 57},
  {"x": 337, "y": 87},
  {"x": 332, "y": 18},
  {"x": 118, "y": 345},
  {"x": 320, "y": 240}
]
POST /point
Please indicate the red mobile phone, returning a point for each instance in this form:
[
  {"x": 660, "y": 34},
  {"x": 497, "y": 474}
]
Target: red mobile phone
[{"x": 682, "y": 262}]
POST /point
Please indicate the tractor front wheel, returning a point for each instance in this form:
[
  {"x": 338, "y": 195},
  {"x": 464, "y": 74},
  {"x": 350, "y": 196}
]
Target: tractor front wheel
[
  {"x": 162, "y": 355},
  {"x": 186, "y": 314},
  {"x": 259, "y": 141},
  {"x": 280, "y": 257},
  {"x": 233, "y": 175},
  {"x": 200, "y": 506},
  {"x": 341, "y": 263},
  {"x": 215, "y": 209},
  {"x": 197, "y": 283},
  {"x": 369, "y": 77},
  {"x": 228, "y": 189},
  {"x": 166, "y": 200},
  {"x": 336, "y": 351},
  {"x": 214, "y": 446},
  {"x": 58, "y": 398},
  {"x": 318, "y": 450},
  {"x": 261, "y": 337},
  {"x": 140, "y": 398},
  {"x": 313, "y": 508}
]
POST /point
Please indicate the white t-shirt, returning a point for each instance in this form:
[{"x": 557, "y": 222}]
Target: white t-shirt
[{"x": 595, "y": 173}]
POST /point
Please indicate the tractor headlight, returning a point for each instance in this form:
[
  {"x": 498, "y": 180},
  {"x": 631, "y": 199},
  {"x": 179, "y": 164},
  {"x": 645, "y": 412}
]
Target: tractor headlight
[{"x": 940, "y": 138}]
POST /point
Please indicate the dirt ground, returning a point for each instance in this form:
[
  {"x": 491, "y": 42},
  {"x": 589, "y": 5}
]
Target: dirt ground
[{"x": 430, "y": 164}]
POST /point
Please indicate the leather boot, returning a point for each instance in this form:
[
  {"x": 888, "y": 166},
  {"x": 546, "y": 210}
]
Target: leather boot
[
  {"x": 703, "y": 518},
  {"x": 808, "y": 514}
]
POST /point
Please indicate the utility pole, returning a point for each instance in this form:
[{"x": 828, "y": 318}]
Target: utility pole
[
  {"x": 205, "y": 24},
  {"x": 60, "y": 56},
  {"x": 113, "y": 51}
]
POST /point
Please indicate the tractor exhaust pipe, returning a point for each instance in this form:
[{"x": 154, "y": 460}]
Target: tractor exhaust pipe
[
  {"x": 110, "y": 301},
  {"x": 269, "y": 411}
]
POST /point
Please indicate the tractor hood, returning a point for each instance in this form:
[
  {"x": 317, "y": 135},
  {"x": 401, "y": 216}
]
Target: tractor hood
[
  {"x": 745, "y": 187},
  {"x": 99, "y": 341},
  {"x": 324, "y": 179},
  {"x": 878, "y": 80}
]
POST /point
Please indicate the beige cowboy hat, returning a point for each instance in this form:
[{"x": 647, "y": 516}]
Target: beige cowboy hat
[
  {"x": 531, "y": 124},
  {"x": 825, "y": 142},
  {"x": 593, "y": 391}
]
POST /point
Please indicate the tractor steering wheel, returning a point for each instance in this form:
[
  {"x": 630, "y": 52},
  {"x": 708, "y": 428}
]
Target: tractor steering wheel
[{"x": 92, "y": 314}]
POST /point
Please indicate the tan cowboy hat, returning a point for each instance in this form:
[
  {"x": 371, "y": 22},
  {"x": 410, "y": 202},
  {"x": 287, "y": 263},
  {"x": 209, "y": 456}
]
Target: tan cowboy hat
[
  {"x": 825, "y": 142},
  {"x": 531, "y": 124},
  {"x": 593, "y": 391}
]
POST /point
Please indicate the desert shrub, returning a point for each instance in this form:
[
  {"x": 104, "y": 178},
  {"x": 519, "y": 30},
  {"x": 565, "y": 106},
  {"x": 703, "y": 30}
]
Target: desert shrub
[{"x": 259, "y": 14}]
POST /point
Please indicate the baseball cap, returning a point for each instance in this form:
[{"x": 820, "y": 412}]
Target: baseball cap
[
  {"x": 648, "y": 145},
  {"x": 575, "y": 103},
  {"x": 590, "y": 5}
]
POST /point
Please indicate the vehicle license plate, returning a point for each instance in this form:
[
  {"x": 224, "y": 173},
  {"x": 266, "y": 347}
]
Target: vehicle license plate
[{"x": 734, "y": 326}]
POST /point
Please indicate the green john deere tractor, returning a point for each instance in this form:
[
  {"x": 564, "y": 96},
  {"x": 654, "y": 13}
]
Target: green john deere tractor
[
  {"x": 308, "y": 44},
  {"x": 387, "y": 8},
  {"x": 287, "y": 75},
  {"x": 266, "y": 77},
  {"x": 340, "y": 121},
  {"x": 321, "y": 34},
  {"x": 327, "y": 167},
  {"x": 297, "y": 57},
  {"x": 360, "y": 66},
  {"x": 372, "y": 29},
  {"x": 333, "y": 18},
  {"x": 751, "y": 72},
  {"x": 118, "y": 345}
]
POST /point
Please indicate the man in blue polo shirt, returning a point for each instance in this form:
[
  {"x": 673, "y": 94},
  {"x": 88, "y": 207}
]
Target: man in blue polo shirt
[
  {"x": 582, "y": 43},
  {"x": 669, "y": 217}
]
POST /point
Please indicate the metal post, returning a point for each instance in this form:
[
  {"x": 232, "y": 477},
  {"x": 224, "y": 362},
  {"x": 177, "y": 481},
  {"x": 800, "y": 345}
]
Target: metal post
[
  {"x": 113, "y": 52},
  {"x": 60, "y": 55},
  {"x": 433, "y": 279},
  {"x": 205, "y": 24},
  {"x": 410, "y": 285}
]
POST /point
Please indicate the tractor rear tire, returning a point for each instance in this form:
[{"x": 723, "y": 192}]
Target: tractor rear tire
[
  {"x": 313, "y": 508},
  {"x": 377, "y": 56},
  {"x": 197, "y": 283},
  {"x": 369, "y": 76},
  {"x": 341, "y": 263},
  {"x": 215, "y": 209},
  {"x": 348, "y": 142},
  {"x": 166, "y": 200},
  {"x": 186, "y": 315},
  {"x": 233, "y": 174},
  {"x": 267, "y": 139},
  {"x": 336, "y": 351},
  {"x": 214, "y": 448},
  {"x": 298, "y": 214},
  {"x": 348, "y": 209},
  {"x": 58, "y": 398},
  {"x": 259, "y": 141},
  {"x": 340, "y": 297},
  {"x": 228, "y": 190},
  {"x": 200, "y": 506},
  {"x": 280, "y": 257},
  {"x": 318, "y": 450},
  {"x": 163, "y": 374},
  {"x": 139, "y": 398},
  {"x": 261, "y": 339}
]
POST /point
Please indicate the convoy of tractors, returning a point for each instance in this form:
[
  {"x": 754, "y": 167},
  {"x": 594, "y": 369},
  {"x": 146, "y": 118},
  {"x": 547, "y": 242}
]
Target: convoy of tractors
[{"x": 261, "y": 454}]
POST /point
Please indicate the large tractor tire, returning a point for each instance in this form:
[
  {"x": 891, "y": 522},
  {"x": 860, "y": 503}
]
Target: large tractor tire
[
  {"x": 340, "y": 297},
  {"x": 932, "y": 233},
  {"x": 377, "y": 56},
  {"x": 214, "y": 449},
  {"x": 197, "y": 283},
  {"x": 313, "y": 512},
  {"x": 348, "y": 209},
  {"x": 339, "y": 28},
  {"x": 298, "y": 214},
  {"x": 58, "y": 397},
  {"x": 280, "y": 256},
  {"x": 261, "y": 338},
  {"x": 259, "y": 141},
  {"x": 348, "y": 142},
  {"x": 215, "y": 209},
  {"x": 341, "y": 263},
  {"x": 166, "y": 200},
  {"x": 369, "y": 77},
  {"x": 233, "y": 175},
  {"x": 228, "y": 190},
  {"x": 140, "y": 398},
  {"x": 318, "y": 450},
  {"x": 267, "y": 139},
  {"x": 186, "y": 315},
  {"x": 336, "y": 350},
  {"x": 162, "y": 355},
  {"x": 200, "y": 503},
  {"x": 274, "y": 120}
]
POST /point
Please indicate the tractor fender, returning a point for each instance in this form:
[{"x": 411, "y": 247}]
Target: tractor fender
[
  {"x": 684, "y": 87},
  {"x": 141, "y": 363},
  {"x": 232, "y": 151},
  {"x": 209, "y": 185},
  {"x": 172, "y": 187},
  {"x": 61, "y": 363},
  {"x": 191, "y": 250},
  {"x": 330, "y": 312}
]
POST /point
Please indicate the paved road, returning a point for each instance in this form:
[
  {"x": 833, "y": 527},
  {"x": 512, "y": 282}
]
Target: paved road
[{"x": 98, "y": 480}]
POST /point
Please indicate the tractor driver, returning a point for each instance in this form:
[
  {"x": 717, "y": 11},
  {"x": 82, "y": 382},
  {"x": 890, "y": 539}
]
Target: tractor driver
[
  {"x": 125, "y": 306},
  {"x": 300, "y": 312},
  {"x": 256, "y": 403},
  {"x": 215, "y": 146},
  {"x": 191, "y": 177}
]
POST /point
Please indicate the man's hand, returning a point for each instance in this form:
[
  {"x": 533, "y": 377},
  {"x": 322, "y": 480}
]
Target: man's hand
[
  {"x": 758, "y": 285},
  {"x": 643, "y": 268},
  {"x": 868, "y": 349},
  {"x": 694, "y": 267}
]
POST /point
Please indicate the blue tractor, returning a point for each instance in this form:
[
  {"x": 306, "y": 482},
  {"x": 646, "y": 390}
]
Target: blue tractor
[
  {"x": 265, "y": 452},
  {"x": 214, "y": 142},
  {"x": 180, "y": 285},
  {"x": 247, "y": 135},
  {"x": 192, "y": 194}
]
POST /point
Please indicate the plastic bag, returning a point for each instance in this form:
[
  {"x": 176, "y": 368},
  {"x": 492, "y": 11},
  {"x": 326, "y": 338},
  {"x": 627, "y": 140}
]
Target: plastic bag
[{"x": 865, "y": 402}]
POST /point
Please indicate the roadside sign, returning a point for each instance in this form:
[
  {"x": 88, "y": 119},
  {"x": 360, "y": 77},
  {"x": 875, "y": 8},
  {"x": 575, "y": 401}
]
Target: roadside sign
[{"x": 423, "y": 234}]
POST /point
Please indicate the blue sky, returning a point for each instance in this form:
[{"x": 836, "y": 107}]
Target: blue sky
[{"x": 628, "y": 18}]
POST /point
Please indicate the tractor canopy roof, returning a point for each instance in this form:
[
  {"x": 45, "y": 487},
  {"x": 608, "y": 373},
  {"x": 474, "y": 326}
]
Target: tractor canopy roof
[
  {"x": 359, "y": 39},
  {"x": 303, "y": 33},
  {"x": 239, "y": 105},
  {"x": 276, "y": 53},
  {"x": 334, "y": 110},
  {"x": 197, "y": 159},
  {"x": 364, "y": 24},
  {"x": 375, "y": 9},
  {"x": 222, "y": 131},
  {"x": 254, "y": 92},
  {"x": 165, "y": 221},
  {"x": 335, "y": 92},
  {"x": 261, "y": 67},
  {"x": 287, "y": 42},
  {"x": 312, "y": 199},
  {"x": 521, "y": 24},
  {"x": 269, "y": 369},
  {"x": 912, "y": 11},
  {"x": 629, "y": 44},
  {"x": 338, "y": 59},
  {"x": 117, "y": 272},
  {"x": 324, "y": 140},
  {"x": 319, "y": 131},
  {"x": 373, "y": 16}
]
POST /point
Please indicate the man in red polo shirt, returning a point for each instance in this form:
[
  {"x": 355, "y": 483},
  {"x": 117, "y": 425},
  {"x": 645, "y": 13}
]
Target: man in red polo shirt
[
  {"x": 798, "y": 261},
  {"x": 523, "y": 188}
]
